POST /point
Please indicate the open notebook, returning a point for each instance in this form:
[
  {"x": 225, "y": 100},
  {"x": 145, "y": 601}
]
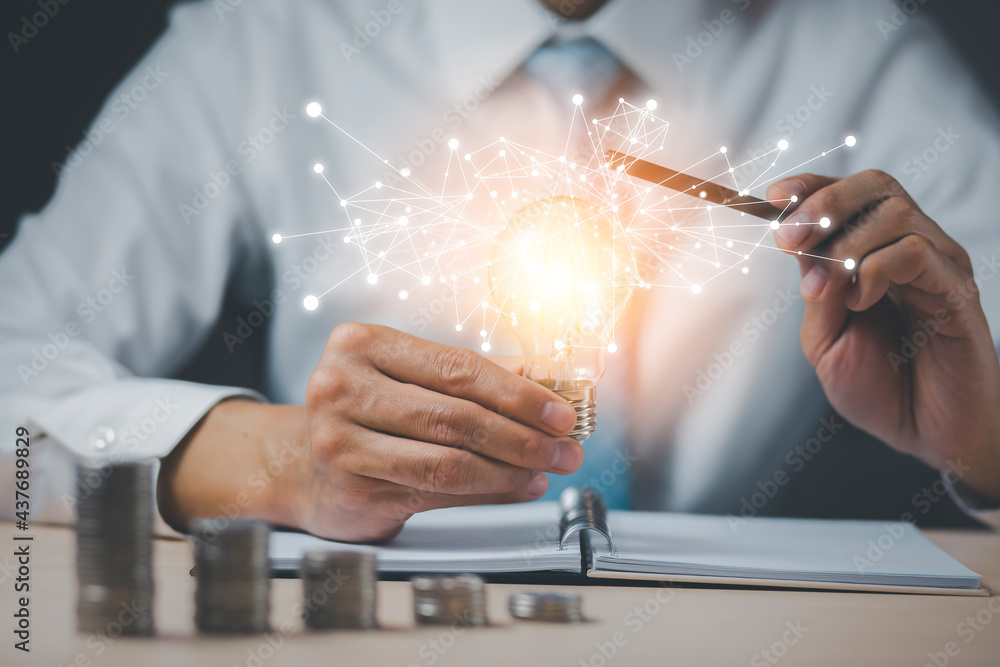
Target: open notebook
[{"x": 577, "y": 535}]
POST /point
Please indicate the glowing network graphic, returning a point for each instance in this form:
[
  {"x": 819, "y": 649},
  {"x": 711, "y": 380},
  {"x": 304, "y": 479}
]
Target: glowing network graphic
[{"x": 448, "y": 231}]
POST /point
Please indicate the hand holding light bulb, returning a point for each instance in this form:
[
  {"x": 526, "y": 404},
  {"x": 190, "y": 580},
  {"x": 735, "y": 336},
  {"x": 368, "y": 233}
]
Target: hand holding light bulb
[{"x": 560, "y": 277}]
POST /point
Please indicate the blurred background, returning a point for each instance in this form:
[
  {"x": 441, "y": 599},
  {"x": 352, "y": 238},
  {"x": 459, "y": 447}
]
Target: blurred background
[{"x": 56, "y": 82}]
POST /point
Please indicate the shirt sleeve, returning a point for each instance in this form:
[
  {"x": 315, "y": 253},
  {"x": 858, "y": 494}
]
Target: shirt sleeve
[{"x": 119, "y": 280}]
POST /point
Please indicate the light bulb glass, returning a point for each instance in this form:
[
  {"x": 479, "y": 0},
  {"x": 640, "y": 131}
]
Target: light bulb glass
[{"x": 560, "y": 276}]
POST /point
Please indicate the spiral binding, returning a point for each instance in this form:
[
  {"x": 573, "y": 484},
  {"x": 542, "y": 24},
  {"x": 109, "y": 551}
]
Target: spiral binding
[{"x": 583, "y": 510}]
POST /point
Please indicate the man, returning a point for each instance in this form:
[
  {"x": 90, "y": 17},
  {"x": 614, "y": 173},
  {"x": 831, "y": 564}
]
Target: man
[{"x": 119, "y": 280}]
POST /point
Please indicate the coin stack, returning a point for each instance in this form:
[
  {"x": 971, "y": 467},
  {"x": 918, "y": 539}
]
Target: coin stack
[
  {"x": 233, "y": 575},
  {"x": 549, "y": 607},
  {"x": 339, "y": 589},
  {"x": 114, "y": 547},
  {"x": 447, "y": 600}
]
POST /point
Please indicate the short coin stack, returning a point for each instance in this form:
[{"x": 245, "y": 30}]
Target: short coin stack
[
  {"x": 339, "y": 589},
  {"x": 233, "y": 575},
  {"x": 549, "y": 607},
  {"x": 114, "y": 548},
  {"x": 447, "y": 600}
]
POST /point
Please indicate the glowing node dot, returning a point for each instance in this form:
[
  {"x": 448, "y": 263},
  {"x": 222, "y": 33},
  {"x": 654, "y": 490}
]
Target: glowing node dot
[
  {"x": 783, "y": 145},
  {"x": 482, "y": 333},
  {"x": 795, "y": 198},
  {"x": 486, "y": 347},
  {"x": 372, "y": 279},
  {"x": 343, "y": 203},
  {"x": 696, "y": 289},
  {"x": 310, "y": 302},
  {"x": 745, "y": 270},
  {"x": 458, "y": 327},
  {"x": 578, "y": 99},
  {"x": 612, "y": 348},
  {"x": 723, "y": 149},
  {"x": 378, "y": 185},
  {"x": 849, "y": 264},
  {"x": 775, "y": 224},
  {"x": 405, "y": 172},
  {"x": 824, "y": 222},
  {"x": 850, "y": 141},
  {"x": 403, "y": 295},
  {"x": 276, "y": 238},
  {"x": 313, "y": 109},
  {"x": 318, "y": 168},
  {"x": 453, "y": 144},
  {"x": 651, "y": 105},
  {"x": 732, "y": 170}
]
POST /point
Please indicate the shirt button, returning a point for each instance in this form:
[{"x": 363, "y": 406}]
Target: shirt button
[{"x": 101, "y": 438}]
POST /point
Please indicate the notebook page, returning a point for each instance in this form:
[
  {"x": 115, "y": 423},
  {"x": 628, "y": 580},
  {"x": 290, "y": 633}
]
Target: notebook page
[
  {"x": 495, "y": 538},
  {"x": 863, "y": 552}
]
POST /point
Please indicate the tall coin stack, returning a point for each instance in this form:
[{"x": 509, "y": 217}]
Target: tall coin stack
[
  {"x": 549, "y": 607},
  {"x": 446, "y": 600},
  {"x": 233, "y": 575},
  {"x": 114, "y": 547},
  {"x": 339, "y": 589}
]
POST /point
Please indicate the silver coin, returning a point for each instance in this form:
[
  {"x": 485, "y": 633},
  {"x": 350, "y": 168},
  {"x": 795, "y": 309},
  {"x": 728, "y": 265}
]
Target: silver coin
[
  {"x": 339, "y": 589},
  {"x": 549, "y": 607},
  {"x": 449, "y": 599},
  {"x": 114, "y": 548},
  {"x": 233, "y": 576}
]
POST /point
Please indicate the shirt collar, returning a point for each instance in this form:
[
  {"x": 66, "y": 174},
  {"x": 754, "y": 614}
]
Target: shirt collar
[{"x": 492, "y": 38}]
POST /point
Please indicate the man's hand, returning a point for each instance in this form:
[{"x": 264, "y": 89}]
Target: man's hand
[
  {"x": 392, "y": 425},
  {"x": 900, "y": 343}
]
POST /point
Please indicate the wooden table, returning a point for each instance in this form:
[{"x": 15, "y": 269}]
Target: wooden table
[{"x": 629, "y": 626}]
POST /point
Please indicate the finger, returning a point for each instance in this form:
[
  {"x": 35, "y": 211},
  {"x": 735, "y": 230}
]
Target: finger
[
  {"x": 890, "y": 221},
  {"x": 431, "y": 468},
  {"x": 830, "y": 204},
  {"x": 464, "y": 374},
  {"x": 416, "y": 413},
  {"x": 513, "y": 364},
  {"x": 912, "y": 261},
  {"x": 822, "y": 321},
  {"x": 433, "y": 501}
]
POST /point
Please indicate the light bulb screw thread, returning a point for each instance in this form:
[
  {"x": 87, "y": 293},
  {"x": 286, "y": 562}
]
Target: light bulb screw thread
[{"x": 583, "y": 400}]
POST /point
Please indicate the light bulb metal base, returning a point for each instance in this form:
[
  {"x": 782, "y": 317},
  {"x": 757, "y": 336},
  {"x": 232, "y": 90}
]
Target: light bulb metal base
[{"x": 583, "y": 397}]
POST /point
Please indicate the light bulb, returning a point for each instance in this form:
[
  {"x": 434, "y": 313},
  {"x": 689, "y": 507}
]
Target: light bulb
[{"x": 560, "y": 276}]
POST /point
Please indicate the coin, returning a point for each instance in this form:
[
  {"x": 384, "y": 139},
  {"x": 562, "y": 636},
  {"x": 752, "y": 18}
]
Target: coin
[
  {"x": 339, "y": 589},
  {"x": 549, "y": 607},
  {"x": 449, "y": 599},
  {"x": 232, "y": 572},
  {"x": 114, "y": 547}
]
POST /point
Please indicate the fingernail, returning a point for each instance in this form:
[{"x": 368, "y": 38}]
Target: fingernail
[
  {"x": 792, "y": 232},
  {"x": 558, "y": 416},
  {"x": 814, "y": 281},
  {"x": 567, "y": 457},
  {"x": 790, "y": 188},
  {"x": 538, "y": 485}
]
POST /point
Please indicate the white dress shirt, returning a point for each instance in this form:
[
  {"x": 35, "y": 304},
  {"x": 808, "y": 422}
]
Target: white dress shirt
[{"x": 117, "y": 282}]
